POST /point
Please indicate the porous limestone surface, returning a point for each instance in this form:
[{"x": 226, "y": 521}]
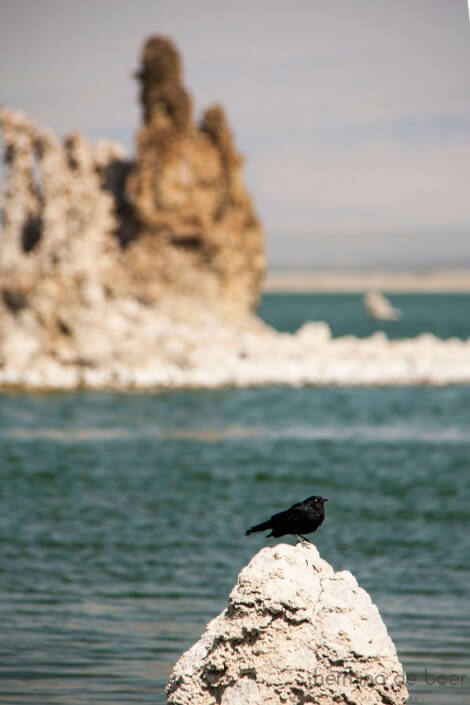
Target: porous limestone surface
[{"x": 294, "y": 631}]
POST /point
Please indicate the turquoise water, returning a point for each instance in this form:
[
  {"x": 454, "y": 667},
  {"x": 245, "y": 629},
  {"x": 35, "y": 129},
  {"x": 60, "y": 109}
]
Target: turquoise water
[
  {"x": 444, "y": 315},
  {"x": 122, "y": 520}
]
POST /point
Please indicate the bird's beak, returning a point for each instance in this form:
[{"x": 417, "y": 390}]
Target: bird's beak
[{"x": 325, "y": 500}]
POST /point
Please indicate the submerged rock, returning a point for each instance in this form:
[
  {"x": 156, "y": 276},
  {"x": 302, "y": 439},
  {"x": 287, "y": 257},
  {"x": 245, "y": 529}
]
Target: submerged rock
[{"x": 294, "y": 631}]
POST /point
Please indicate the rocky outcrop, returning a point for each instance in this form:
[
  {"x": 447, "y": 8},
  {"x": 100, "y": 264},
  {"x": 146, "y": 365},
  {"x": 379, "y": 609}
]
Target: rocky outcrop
[
  {"x": 96, "y": 249},
  {"x": 118, "y": 272},
  {"x": 294, "y": 631},
  {"x": 175, "y": 221},
  {"x": 57, "y": 218},
  {"x": 122, "y": 343},
  {"x": 197, "y": 223},
  {"x": 56, "y": 247}
]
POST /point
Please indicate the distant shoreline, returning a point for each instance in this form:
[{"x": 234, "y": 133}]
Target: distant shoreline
[{"x": 444, "y": 281}]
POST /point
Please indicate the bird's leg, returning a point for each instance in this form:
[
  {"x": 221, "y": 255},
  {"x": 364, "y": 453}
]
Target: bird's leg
[{"x": 301, "y": 539}]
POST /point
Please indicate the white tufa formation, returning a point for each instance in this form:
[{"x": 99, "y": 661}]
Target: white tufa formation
[
  {"x": 54, "y": 189},
  {"x": 294, "y": 631},
  {"x": 81, "y": 308}
]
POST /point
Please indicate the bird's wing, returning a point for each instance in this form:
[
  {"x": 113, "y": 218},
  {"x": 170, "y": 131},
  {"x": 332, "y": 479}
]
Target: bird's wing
[
  {"x": 297, "y": 511},
  {"x": 285, "y": 513}
]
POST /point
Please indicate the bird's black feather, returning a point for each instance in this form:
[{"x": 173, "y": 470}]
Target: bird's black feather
[{"x": 302, "y": 518}]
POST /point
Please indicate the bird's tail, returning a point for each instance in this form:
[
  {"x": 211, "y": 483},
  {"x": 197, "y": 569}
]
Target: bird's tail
[{"x": 259, "y": 527}]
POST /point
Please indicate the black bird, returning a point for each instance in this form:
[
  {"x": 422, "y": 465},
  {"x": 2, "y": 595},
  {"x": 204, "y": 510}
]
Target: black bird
[{"x": 302, "y": 518}]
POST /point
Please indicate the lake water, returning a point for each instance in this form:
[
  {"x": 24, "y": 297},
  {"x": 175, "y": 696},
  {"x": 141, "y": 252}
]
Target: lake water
[
  {"x": 444, "y": 315},
  {"x": 122, "y": 517}
]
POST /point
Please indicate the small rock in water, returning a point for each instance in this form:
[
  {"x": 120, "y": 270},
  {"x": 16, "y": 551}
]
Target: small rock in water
[{"x": 377, "y": 306}]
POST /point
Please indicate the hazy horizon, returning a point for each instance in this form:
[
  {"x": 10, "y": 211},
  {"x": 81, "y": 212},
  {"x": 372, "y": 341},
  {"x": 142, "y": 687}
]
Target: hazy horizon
[{"x": 354, "y": 118}]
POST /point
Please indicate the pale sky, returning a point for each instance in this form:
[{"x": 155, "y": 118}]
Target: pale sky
[{"x": 353, "y": 115}]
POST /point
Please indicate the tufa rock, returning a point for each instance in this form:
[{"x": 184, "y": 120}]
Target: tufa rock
[
  {"x": 103, "y": 258},
  {"x": 118, "y": 273},
  {"x": 294, "y": 631},
  {"x": 196, "y": 221},
  {"x": 165, "y": 102},
  {"x": 177, "y": 221}
]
